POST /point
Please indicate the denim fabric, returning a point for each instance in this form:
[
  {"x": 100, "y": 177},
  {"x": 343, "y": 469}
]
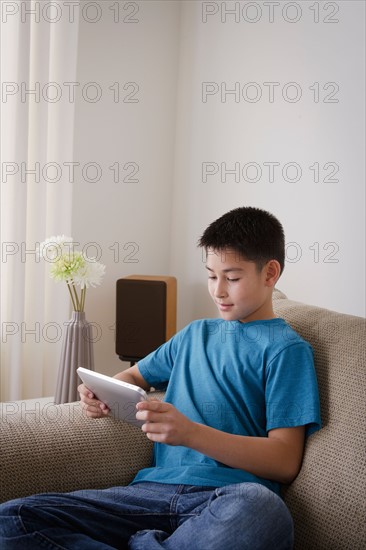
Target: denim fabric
[{"x": 149, "y": 516}]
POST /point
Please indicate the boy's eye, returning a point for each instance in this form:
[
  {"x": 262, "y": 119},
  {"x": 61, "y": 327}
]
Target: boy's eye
[{"x": 213, "y": 277}]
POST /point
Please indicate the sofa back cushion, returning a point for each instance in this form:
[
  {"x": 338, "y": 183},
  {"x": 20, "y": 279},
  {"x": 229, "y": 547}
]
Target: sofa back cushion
[{"x": 327, "y": 499}]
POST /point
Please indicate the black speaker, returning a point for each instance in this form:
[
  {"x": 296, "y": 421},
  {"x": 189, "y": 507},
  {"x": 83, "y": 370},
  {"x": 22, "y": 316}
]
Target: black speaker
[{"x": 146, "y": 314}]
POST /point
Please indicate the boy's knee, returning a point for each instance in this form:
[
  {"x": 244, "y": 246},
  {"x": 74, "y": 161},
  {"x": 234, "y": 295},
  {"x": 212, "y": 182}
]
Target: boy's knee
[
  {"x": 250, "y": 500},
  {"x": 258, "y": 497},
  {"x": 258, "y": 517}
]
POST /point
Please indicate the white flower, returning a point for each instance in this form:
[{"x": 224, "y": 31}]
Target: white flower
[
  {"x": 53, "y": 248},
  {"x": 71, "y": 266},
  {"x": 90, "y": 274}
]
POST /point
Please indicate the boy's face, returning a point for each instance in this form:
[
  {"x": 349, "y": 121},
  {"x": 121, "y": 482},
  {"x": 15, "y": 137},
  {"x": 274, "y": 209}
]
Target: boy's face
[{"x": 239, "y": 290}]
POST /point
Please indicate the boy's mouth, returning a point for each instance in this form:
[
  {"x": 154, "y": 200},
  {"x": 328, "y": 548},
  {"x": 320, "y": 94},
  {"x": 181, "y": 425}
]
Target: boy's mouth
[{"x": 224, "y": 307}]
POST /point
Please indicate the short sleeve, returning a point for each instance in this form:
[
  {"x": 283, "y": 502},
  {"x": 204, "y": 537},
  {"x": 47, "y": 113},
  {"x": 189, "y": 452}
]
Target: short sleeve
[
  {"x": 156, "y": 367},
  {"x": 292, "y": 397}
]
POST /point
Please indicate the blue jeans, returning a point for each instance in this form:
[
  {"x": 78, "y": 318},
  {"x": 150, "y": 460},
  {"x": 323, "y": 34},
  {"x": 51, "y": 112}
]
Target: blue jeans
[{"x": 149, "y": 516}]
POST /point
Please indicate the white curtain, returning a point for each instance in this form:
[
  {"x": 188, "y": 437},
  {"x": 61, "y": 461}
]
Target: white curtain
[{"x": 37, "y": 128}]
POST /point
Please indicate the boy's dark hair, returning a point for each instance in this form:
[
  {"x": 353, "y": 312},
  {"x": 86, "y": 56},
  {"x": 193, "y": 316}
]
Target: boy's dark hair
[{"x": 254, "y": 233}]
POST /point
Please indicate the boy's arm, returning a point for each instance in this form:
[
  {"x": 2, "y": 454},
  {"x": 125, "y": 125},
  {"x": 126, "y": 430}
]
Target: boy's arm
[
  {"x": 133, "y": 376},
  {"x": 95, "y": 408},
  {"x": 277, "y": 457}
]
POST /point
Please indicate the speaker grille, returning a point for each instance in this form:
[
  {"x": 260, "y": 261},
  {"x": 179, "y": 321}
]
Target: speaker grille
[{"x": 140, "y": 317}]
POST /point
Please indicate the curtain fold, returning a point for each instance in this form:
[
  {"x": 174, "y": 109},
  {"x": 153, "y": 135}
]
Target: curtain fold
[{"x": 36, "y": 197}]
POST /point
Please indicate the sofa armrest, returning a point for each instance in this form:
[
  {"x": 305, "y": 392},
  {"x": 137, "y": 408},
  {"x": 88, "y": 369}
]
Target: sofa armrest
[
  {"x": 58, "y": 448},
  {"x": 327, "y": 499}
]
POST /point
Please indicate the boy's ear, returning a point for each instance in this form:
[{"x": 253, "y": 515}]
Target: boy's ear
[{"x": 273, "y": 271}]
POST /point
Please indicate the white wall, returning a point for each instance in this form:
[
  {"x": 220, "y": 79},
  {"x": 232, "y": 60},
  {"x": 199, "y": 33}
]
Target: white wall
[
  {"x": 129, "y": 221},
  {"x": 171, "y": 132},
  {"x": 231, "y": 130}
]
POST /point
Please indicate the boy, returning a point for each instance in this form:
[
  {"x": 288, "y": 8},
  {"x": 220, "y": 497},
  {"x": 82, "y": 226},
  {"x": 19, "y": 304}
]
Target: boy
[{"x": 241, "y": 395}]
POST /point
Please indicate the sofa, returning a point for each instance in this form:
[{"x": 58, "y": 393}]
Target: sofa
[{"x": 57, "y": 448}]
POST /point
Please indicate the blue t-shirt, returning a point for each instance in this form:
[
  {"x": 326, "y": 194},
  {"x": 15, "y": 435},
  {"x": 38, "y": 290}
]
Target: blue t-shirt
[{"x": 240, "y": 378}]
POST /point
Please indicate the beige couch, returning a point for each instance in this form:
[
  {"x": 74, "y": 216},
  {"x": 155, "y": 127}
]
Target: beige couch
[{"x": 56, "y": 448}]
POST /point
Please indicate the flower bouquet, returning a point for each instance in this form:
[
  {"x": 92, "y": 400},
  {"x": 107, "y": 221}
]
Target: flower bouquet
[
  {"x": 79, "y": 272},
  {"x": 71, "y": 266}
]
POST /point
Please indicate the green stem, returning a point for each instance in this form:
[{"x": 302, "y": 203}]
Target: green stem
[
  {"x": 72, "y": 298},
  {"x": 76, "y": 299},
  {"x": 83, "y": 293}
]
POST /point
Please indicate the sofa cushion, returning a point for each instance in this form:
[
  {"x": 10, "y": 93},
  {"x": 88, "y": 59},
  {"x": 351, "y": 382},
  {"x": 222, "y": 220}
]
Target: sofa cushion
[
  {"x": 57, "y": 448},
  {"x": 327, "y": 499}
]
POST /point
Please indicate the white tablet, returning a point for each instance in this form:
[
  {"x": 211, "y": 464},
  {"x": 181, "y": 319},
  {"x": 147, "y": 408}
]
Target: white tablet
[{"x": 120, "y": 397}]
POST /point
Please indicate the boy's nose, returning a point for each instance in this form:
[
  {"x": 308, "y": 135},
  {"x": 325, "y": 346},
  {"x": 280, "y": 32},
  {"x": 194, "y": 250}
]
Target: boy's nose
[{"x": 220, "y": 291}]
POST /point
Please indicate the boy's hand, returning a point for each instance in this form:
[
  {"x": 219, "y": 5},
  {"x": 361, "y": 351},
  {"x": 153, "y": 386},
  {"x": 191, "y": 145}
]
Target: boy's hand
[
  {"x": 92, "y": 406},
  {"x": 164, "y": 423}
]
